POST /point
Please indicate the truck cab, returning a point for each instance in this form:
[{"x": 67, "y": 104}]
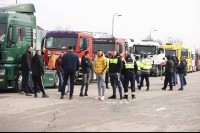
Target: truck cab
[
  {"x": 17, "y": 32},
  {"x": 155, "y": 52},
  {"x": 58, "y": 41}
]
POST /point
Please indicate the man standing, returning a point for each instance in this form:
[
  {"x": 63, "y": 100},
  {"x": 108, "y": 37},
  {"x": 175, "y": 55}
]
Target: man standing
[
  {"x": 169, "y": 69},
  {"x": 138, "y": 75},
  {"x": 70, "y": 64},
  {"x": 60, "y": 71},
  {"x": 145, "y": 71},
  {"x": 26, "y": 68},
  {"x": 181, "y": 71},
  {"x": 86, "y": 68},
  {"x": 130, "y": 69},
  {"x": 100, "y": 68},
  {"x": 115, "y": 67},
  {"x": 37, "y": 73}
]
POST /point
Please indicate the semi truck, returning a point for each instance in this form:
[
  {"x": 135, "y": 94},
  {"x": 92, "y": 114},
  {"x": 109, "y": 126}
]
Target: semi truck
[
  {"x": 197, "y": 59},
  {"x": 57, "y": 42},
  {"x": 186, "y": 52},
  {"x": 17, "y": 32},
  {"x": 155, "y": 52},
  {"x": 173, "y": 49}
]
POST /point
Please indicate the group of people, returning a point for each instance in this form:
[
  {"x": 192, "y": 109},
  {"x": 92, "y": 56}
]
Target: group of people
[
  {"x": 172, "y": 68},
  {"x": 121, "y": 72}
]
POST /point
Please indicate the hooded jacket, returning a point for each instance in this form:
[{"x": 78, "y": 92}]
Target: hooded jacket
[
  {"x": 125, "y": 71},
  {"x": 37, "y": 65},
  {"x": 100, "y": 64}
]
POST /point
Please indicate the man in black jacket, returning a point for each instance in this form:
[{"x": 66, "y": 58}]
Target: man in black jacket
[
  {"x": 26, "y": 68},
  {"x": 182, "y": 68},
  {"x": 70, "y": 64},
  {"x": 129, "y": 70},
  {"x": 86, "y": 68},
  {"x": 169, "y": 69},
  {"x": 37, "y": 73},
  {"x": 115, "y": 67}
]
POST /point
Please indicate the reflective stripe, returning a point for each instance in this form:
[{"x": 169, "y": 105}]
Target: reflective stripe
[
  {"x": 113, "y": 61},
  {"x": 133, "y": 93},
  {"x": 125, "y": 93},
  {"x": 127, "y": 66},
  {"x": 138, "y": 64}
]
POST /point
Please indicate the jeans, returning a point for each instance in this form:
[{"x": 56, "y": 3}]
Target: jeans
[
  {"x": 26, "y": 82},
  {"x": 137, "y": 78},
  {"x": 85, "y": 82},
  {"x": 174, "y": 78},
  {"x": 115, "y": 80},
  {"x": 181, "y": 80},
  {"x": 68, "y": 74},
  {"x": 101, "y": 84},
  {"x": 60, "y": 76}
]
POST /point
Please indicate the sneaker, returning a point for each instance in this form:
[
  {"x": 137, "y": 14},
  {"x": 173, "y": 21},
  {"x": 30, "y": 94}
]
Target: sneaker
[
  {"x": 121, "y": 98},
  {"x": 45, "y": 96},
  {"x": 97, "y": 98},
  {"x": 71, "y": 97},
  {"x": 147, "y": 89},
  {"x": 112, "y": 97},
  {"x": 35, "y": 96},
  {"x": 28, "y": 94},
  {"x": 164, "y": 89},
  {"x": 125, "y": 96},
  {"x": 102, "y": 98},
  {"x": 181, "y": 89}
]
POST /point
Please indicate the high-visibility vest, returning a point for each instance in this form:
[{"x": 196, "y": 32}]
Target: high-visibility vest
[
  {"x": 138, "y": 64},
  {"x": 113, "y": 61},
  {"x": 146, "y": 64},
  {"x": 129, "y": 65}
]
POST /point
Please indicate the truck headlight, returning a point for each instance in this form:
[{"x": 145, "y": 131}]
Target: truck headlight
[{"x": 2, "y": 72}]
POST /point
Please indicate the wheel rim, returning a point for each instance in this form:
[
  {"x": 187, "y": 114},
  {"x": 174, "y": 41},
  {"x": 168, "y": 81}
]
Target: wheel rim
[{"x": 19, "y": 82}]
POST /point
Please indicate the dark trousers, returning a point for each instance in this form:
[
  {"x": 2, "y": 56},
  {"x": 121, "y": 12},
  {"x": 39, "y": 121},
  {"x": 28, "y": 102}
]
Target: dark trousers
[
  {"x": 107, "y": 79},
  {"x": 72, "y": 77},
  {"x": 129, "y": 77},
  {"x": 38, "y": 82},
  {"x": 168, "y": 79},
  {"x": 85, "y": 82},
  {"x": 26, "y": 82},
  {"x": 115, "y": 80},
  {"x": 146, "y": 77},
  {"x": 184, "y": 80},
  {"x": 60, "y": 76}
]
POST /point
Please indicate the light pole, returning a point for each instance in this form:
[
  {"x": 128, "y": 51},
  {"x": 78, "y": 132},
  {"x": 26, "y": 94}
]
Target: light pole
[
  {"x": 16, "y": 1},
  {"x": 150, "y": 33},
  {"x": 113, "y": 19}
]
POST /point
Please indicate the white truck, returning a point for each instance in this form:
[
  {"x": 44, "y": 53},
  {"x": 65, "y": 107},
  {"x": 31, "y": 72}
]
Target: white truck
[{"x": 155, "y": 51}]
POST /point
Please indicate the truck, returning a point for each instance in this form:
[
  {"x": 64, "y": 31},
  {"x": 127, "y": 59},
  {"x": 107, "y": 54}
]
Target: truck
[
  {"x": 17, "y": 32},
  {"x": 155, "y": 52},
  {"x": 57, "y": 42},
  {"x": 197, "y": 59},
  {"x": 193, "y": 66},
  {"x": 186, "y": 52},
  {"x": 173, "y": 49}
]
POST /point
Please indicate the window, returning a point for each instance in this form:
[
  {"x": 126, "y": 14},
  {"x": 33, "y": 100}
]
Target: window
[
  {"x": 21, "y": 34},
  {"x": 84, "y": 43},
  {"x": 120, "y": 48}
]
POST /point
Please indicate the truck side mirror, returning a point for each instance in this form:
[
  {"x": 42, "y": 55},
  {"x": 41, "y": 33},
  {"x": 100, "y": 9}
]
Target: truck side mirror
[
  {"x": 14, "y": 37},
  {"x": 85, "y": 44}
]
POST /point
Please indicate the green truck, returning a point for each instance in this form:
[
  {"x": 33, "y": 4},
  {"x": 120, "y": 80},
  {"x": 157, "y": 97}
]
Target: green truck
[{"x": 17, "y": 32}]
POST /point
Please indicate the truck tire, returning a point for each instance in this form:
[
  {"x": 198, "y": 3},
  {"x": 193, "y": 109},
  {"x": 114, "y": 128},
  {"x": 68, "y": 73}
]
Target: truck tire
[
  {"x": 18, "y": 82},
  {"x": 56, "y": 81}
]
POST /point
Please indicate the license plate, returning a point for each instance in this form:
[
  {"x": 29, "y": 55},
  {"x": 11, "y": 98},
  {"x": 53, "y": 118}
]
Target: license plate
[{"x": 2, "y": 72}]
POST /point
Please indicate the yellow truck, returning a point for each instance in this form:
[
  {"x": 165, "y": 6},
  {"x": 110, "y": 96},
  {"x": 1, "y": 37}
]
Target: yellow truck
[{"x": 177, "y": 49}]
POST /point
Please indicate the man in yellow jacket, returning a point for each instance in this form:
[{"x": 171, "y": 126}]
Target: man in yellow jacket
[
  {"x": 52, "y": 61},
  {"x": 100, "y": 68}
]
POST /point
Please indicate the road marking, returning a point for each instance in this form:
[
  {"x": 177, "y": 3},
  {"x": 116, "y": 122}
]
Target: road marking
[{"x": 160, "y": 109}]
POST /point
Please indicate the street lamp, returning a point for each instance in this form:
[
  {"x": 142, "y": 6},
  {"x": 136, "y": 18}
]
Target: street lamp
[
  {"x": 113, "y": 19},
  {"x": 150, "y": 33}
]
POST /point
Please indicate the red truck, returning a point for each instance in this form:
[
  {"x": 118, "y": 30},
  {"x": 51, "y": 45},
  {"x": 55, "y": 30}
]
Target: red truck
[{"x": 197, "y": 59}]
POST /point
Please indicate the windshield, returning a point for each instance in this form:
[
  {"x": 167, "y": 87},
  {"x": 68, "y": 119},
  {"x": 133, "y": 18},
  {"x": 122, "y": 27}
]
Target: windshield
[
  {"x": 170, "y": 52},
  {"x": 184, "y": 53},
  {"x": 151, "y": 50},
  {"x": 2, "y": 32},
  {"x": 61, "y": 43},
  {"x": 103, "y": 47}
]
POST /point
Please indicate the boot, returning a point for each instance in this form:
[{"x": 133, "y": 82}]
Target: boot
[
  {"x": 112, "y": 97},
  {"x": 133, "y": 96},
  {"x": 45, "y": 96},
  {"x": 35, "y": 96},
  {"x": 86, "y": 90},
  {"x": 121, "y": 98},
  {"x": 62, "y": 97},
  {"x": 81, "y": 92},
  {"x": 147, "y": 89},
  {"x": 125, "y": 96}
]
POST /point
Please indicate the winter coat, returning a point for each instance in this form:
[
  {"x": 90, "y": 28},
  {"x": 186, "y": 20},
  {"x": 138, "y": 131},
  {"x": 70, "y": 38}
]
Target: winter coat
[
  {"x": 85, "y": 64},
  {"x": 37, "y": 65},
  {"x": 26, "y": 61},
  {"x": 100, "y": 65}
]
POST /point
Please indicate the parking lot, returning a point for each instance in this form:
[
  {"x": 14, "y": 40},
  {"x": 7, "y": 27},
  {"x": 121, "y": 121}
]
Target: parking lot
[{"x": 155, "y": 110}]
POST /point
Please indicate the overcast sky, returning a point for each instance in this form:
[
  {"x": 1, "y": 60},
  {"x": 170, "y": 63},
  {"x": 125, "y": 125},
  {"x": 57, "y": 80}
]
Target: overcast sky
[{"x": 171, "y": 18}]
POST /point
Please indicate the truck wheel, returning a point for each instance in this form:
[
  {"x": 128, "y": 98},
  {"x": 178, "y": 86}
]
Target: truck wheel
[
  {"x": 18, "y": 85},
  {"x": 56, "y": 81}
]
